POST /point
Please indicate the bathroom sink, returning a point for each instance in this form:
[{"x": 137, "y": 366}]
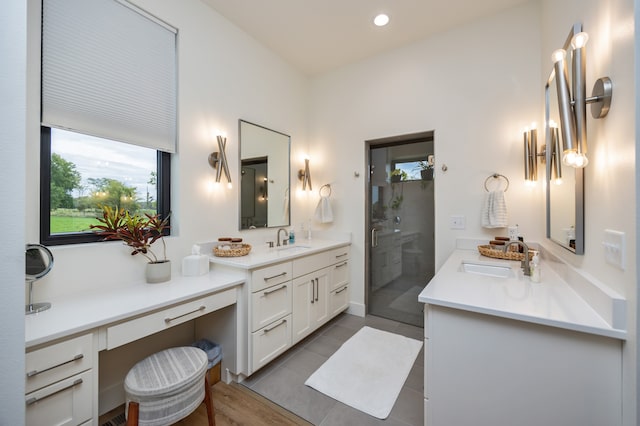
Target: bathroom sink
[
  {"x": 292, "y": 249},
  {"x": 488, "y": 269}
]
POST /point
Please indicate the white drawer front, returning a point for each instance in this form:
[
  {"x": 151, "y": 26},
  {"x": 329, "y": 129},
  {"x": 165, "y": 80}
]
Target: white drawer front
[
  {"x": 339, "y": 300},
  {"x": 340, "y": 274},
  {"x": 56, "y": 362},
  {"x": 64, "y": 403},
  {"x": 307, "y": 264},
  {"x": 128, "y": 331},
  {"x": 271, "y": 275},
  {"x": 270, "y": 342},
  {"x": 270, "y": 304},
  {"x": 340, "y": 254}
]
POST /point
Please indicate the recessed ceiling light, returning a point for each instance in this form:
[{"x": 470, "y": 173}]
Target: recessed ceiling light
[{"x": 381, "y": 20}]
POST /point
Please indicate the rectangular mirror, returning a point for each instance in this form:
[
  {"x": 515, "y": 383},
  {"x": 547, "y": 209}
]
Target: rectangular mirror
[
  {"x": 264, "y": 177},
  {"x": 565, "y": 191}
]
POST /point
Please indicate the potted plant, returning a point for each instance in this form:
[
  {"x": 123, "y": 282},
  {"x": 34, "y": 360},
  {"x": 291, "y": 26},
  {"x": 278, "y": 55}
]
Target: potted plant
[
  {"x": 398, "y": 175},
  {"x": 426, "y": 168},
  {"x": 138, "y": 233}
]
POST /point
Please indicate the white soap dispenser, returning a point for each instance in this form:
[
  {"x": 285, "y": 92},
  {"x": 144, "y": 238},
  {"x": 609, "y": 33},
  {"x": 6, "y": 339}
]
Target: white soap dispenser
[{"x": 535, "y": 267}]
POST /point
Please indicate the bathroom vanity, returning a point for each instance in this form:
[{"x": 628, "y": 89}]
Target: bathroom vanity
[
  {"x": 63, "y": 343},
  {"x": 291, "y": 291},
  {"x": 500, "y": 349}
]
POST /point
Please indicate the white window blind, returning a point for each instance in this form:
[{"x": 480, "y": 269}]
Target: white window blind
[{"x": 109, "y": 70}]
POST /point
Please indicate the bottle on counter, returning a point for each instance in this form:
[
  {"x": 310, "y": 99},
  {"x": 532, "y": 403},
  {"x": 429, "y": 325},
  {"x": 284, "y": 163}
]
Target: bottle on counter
[
  {"x": 535, "y": 267},
  {"x": 292, "y": 236}
]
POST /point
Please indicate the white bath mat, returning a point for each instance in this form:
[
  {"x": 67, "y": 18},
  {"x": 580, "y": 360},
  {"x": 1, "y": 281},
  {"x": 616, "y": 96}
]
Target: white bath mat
[{"x": 368, "y": 371}]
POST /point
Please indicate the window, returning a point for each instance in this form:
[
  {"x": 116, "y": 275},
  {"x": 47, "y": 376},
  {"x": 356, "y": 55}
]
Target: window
[
  {"x": 411, "y": 167},
  {"x": 80, "y": 174},
  {"x": 117, "y": 83}
]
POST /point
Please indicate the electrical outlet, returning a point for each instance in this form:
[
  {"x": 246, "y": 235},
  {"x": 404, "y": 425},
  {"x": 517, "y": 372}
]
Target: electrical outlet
[
  {"x": 614, "y": 248},
  {"x": 456, "y": 222}
]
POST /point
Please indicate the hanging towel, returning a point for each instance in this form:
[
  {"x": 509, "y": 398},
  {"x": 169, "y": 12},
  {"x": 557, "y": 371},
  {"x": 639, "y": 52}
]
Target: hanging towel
[
  {"x": 324, "y": 213},
  {"x": 494, "y": 210}
]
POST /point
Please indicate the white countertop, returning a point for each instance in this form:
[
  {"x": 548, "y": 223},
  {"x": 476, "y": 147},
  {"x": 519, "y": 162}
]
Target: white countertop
[
  {"x": 263, "y": 256},
  {"x": 81, "y": 312},
  {"x": 550, "y": 302}
]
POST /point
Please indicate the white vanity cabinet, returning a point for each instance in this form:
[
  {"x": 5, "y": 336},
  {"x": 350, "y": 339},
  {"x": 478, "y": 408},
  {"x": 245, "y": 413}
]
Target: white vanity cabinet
[
  {"x": 483, "y": 370},
  {"x": 59, "y": 383},
  {"x": 311, "y": 302}
]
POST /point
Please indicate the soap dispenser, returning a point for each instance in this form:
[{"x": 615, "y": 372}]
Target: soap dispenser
[
  {"x": 535, "y": 267},
  {"x": 292, "y": 236}
]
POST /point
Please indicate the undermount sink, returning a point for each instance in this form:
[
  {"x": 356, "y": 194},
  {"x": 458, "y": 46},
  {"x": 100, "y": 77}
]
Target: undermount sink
[
  {"x": 293, "y": 248},
  {"x": 488, "y": 269}
]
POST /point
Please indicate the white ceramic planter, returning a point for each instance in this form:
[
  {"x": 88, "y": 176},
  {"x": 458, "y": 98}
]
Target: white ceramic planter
[{"x": 158, "y": 272}]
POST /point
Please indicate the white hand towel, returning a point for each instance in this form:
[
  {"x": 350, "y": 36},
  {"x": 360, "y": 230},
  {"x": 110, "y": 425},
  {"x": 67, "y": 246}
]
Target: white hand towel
[
  {"x": 494, "y": 210},
  {"x": 324, "y": 213}
]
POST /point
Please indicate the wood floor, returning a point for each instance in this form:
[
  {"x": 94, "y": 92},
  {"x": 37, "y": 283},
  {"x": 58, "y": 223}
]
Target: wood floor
[{"x": 235, "y": 405}]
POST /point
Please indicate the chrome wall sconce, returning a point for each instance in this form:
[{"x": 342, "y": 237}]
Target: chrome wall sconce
[
  {"x": 218, "y": 160},
  {"x": 305, "y": 176},
  {"x": 572, "y": 110},
  {"x": 531, "y": 154}
]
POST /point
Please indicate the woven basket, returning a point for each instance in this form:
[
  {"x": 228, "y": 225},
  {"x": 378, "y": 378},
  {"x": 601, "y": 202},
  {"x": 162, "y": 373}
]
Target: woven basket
[
  {"x": 499, "y": 254},
  {"x": 235, "y": 250}
]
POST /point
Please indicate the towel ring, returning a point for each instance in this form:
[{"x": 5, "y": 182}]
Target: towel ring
[
  {"x": 496, "y": 176},
  {"x": 326, "y": 185}
]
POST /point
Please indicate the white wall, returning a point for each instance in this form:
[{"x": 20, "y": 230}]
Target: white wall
[
  {"x": 13, "y": 46},
  {"x": 476, "y": 86},
  {"x": 224, "y": 75},
  {"x": 610, "y": 190}
]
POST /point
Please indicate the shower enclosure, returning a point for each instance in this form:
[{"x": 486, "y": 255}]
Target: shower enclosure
[{"x": 400, "y": 220}]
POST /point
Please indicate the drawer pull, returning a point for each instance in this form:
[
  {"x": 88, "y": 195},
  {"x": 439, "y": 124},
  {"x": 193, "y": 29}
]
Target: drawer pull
[
  {"x": 201, "y": 308},
  {"x": 33, "y": 400},
  {"x": 275, "y": 276},
  {"x": 268, "y": 292},
  {"x": 341, "y": 290},
  {"x": 340, "y": 265},
  {"x": 338, "y": 256},
  {"x": 36, "y": 372},
  {"x": 266, "y": 330}
]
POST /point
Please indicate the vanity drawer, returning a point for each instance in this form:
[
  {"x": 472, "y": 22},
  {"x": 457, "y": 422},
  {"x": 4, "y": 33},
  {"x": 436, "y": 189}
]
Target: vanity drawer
[
  {"x": 270, "y": 342},
  {"x": 270, "y": 304},
  {"x": 339, "y": 274},
  {"x": 67, "y": 402},
  {"x": 338, "y": 300},
  {"x": 307, "y": 264},
  {"x": 128, "y": 331},
  {"x": 271, "y": 275},
  {"x": 58, "y": 361}
]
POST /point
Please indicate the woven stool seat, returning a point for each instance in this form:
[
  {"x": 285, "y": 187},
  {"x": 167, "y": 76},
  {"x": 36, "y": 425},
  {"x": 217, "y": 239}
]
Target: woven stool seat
[{"x": 168, "y": 385}]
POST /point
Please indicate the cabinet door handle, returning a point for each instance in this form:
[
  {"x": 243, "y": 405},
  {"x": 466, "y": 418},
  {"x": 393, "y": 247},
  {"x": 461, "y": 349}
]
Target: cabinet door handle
[
  {"x": 275, "y": 276},
  {"x": 168, "y": 320},
  {"x": 338, "y": 256},
  {"x": 342, "y": 289},
  {"x": 313, "y": 290},
  {"x": 36, "y": 372},
  {"x": 266, "y": 330},
  {"x": 340, "y": 265},
  {"x": 33, "y": 400},
  {"x": 317, "y": 288},
  {"x": 268, "y": 292}
]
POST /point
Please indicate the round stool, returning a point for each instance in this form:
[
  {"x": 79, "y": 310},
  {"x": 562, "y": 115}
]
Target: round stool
[{"x": 168, "y": 386}]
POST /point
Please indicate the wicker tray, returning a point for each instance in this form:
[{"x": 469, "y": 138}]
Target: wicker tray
[
  {"x": 233, "y": 251},
  {"x": 499, "y": 254}
]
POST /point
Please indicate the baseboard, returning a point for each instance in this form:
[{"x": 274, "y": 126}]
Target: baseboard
[{"x": 357, "y": 309}]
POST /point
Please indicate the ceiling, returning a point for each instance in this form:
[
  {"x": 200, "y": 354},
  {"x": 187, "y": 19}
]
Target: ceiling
[{"x": 317, "y": 36}]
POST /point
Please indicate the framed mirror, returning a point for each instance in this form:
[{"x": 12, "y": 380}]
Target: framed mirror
[
  {"x": 264, "y": 177},
  {"x": 565, "y": 185}
]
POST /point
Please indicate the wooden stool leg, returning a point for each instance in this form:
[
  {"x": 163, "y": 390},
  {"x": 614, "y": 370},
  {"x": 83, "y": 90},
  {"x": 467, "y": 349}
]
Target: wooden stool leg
[
  {"x": 132, "y": 414},
  {"x": 211, "y": 412}
]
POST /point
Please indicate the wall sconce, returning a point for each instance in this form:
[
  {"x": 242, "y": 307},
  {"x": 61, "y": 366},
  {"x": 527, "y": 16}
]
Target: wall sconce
[
  {"x": 573, "y": 116},
  {"x": 218, "y": 160},
  {"x": 531, "y": 154},
  {"x": 305, "y": 175}
]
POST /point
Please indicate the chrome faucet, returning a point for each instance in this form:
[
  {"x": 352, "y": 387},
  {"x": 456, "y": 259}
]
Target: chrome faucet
[
  {"x": 286, "y": 234},
  {"x": 525, "y": 262}
]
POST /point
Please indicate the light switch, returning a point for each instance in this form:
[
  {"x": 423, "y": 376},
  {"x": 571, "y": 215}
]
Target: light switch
[
  {"x": 614, "y": 248},
  {"x": 457, "y": 222}
]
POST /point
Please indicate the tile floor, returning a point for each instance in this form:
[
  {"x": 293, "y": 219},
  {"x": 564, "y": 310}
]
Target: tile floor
[{"x": 283, "y": 380}]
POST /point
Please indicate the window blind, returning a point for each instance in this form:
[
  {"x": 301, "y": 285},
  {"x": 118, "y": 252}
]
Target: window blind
[{"x": 109, "y": 70}]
